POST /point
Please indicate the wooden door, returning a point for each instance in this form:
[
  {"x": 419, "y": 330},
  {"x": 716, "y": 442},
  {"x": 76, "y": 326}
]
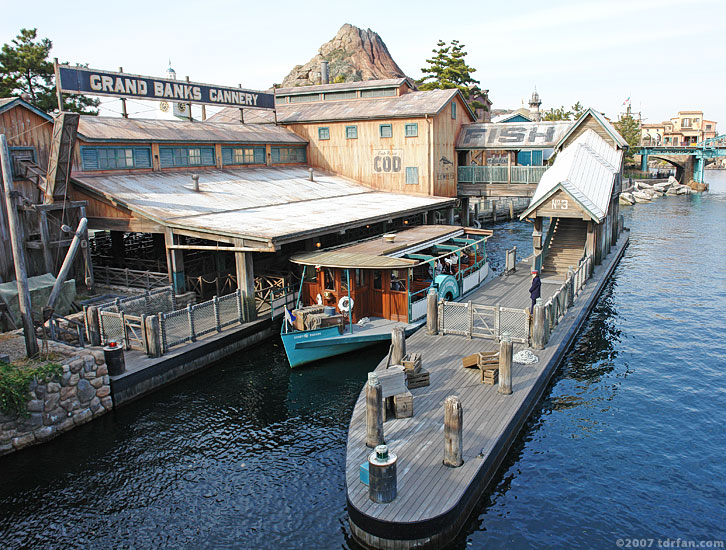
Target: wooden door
[{"x": 377, "y": 292}]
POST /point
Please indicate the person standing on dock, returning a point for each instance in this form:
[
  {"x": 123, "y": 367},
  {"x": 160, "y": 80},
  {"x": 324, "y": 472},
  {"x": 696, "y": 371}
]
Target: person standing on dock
[{"x": 535, "y": 291}]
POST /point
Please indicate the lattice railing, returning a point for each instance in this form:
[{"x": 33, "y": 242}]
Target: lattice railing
[{"x": 556, "y": 307}]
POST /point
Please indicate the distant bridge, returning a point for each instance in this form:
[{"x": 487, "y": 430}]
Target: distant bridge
[{"x": 689, "y": 160}]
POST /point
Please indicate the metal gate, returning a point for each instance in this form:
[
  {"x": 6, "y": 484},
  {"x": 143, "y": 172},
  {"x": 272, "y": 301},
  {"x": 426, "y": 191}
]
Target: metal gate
[{"x": 491, "y": 322}]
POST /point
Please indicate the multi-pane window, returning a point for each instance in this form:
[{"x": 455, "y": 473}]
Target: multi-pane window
[
  {"x": 287, "y": 155},
  {"x": 412, "y": 175},
  {"x": 243, "y": 155},
  {"x": 171, "y": 157},
  {"x": 386, "y": 130},
  {"x": 411, "y": 130},
  {"x": 351, "y": 132},
  {"x": 382, "y": 92},
  {"x": 115, "y": 158},
  {"x": 324, "y": 133}
]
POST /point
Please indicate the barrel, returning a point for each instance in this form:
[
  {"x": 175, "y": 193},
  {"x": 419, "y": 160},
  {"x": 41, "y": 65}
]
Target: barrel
[
  {"x": 382, "y": 484},
  {"x": 114, "y": 356},
  {"x": 329, "y": 311}
]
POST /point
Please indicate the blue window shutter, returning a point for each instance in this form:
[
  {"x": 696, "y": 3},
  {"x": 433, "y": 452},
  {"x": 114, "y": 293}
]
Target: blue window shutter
[
  {"x": 259, "y": 155},
  {"x": 275, "y": 155},
  {"x": 207, "y": 156},
  {"x": 166, "y": 157},
  {"x": 89, "y": 158},
  {"x": 142, "y": 157},
  {"x": 453, "y": 109},
  {"x": 226, "y": 155},
  {"x": 536, "y": 158}
]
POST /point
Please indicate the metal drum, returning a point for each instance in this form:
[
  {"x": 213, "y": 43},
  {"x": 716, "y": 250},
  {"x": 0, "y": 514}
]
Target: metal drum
[
  {"x": 382, "y": 484},
  {"x": 114, "y": 356}
]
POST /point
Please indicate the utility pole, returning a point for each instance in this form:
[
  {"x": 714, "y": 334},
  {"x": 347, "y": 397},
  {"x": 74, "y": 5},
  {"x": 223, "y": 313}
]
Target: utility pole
[{"x": 31, "y": 344}]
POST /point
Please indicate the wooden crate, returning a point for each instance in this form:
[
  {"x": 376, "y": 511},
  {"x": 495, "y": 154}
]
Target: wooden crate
[
  {"x": 412, "y": 362},
  {"x": 489, "y": 376},
  {"x": 470, "y": 361},
  {"x": 418, "y": 380},
  {"x": 403, "y": 404}
]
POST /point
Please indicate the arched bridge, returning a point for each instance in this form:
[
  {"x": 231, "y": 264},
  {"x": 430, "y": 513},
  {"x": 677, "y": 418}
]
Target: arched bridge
[{"x": 689, "y": 160}]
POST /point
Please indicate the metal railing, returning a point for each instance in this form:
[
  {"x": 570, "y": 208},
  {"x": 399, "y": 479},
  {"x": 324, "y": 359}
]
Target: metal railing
[
  {"x": 500, "y": 174},
  {"x": 129, "y": 278},
  {"x": 556, "y": 307},
  {"x": 188, "y": 324}
]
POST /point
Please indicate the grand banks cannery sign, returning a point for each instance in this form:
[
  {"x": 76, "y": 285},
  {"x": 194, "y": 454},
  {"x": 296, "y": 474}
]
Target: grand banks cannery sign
[{"x": 79, "y": 80}]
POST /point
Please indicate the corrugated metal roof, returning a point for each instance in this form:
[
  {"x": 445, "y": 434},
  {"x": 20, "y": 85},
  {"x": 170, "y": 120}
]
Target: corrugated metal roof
[
  {"x": 605, "y": 123},
  {"x": 514, "y": 135},
  {"x": 586, "y": 169},
  {"x": 412, "y": 104},
  {"x": 273, "y": 204},
  {"x": 92, "y": 128},
  {"x": 341, "y": 86}
]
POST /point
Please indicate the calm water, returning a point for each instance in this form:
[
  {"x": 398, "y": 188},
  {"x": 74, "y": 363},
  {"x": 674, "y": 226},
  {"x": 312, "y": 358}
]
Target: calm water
[{"x": 628, "y": 443}]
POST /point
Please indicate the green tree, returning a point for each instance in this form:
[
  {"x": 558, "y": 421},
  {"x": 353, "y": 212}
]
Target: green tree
[
  {"x": 448, "y": 69},
  {"x": 26, "y": 70},
  {"x": 560, "y": 113},
  {"x": 629, "y": 128}
]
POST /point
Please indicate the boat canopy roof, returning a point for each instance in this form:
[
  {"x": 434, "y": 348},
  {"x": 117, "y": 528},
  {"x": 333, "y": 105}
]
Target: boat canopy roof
[{"x": 383, "y": 253}]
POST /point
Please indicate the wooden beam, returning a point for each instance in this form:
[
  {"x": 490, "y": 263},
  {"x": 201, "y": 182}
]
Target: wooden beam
[
  {"x": 127, "y": 225},
  {"x": 31, "y": 344},
  {"x": 220, "y": 248},
  {"x": 45, "y": 241}
]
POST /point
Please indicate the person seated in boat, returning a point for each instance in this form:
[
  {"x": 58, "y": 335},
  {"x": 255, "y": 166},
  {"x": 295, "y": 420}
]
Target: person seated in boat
[{"x": 450, "y": 262}]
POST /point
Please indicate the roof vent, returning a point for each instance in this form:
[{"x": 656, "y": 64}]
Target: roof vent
[
  {"x": 324, "y": 77},
  {"x": 195, "y": 182}
]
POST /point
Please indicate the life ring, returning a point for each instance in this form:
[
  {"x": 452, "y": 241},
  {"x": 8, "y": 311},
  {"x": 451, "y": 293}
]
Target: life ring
[{"x": 345, "y": 304}]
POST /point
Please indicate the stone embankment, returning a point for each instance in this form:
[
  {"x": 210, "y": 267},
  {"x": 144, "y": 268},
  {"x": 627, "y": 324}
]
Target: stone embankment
[
  {"x": 644, "y": 192},
  {"x": 78, "y": 395}
]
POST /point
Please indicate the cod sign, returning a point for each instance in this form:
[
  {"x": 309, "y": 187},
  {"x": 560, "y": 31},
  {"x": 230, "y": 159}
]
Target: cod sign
[
  {"x": 78, "y": 80},
  {"x": 386, "y": 161}
]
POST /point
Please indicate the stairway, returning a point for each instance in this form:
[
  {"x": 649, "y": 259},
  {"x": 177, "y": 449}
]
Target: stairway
[{"x": 567, "y": 246}]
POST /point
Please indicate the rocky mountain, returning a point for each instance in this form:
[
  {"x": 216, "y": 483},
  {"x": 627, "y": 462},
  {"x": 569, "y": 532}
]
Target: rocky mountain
[{"x": 353, "y": 55}]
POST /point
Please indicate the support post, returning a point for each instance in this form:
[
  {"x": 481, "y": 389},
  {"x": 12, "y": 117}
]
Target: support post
[
  {"x": 21, "y": 277},
  {"x": 505, "y": 365},
  {"x": 570, "y": 287},
  {"x": 67, "y": 262},
  {"x": 45, "y": 239},
  {"x": 175, "y": 262},
  {"x": 398, "y": 341},
  {"x": 539, "y": 332},
  {"x": 453, "y": 432},
  {"x": 374, "y": 411},
  {"x": 124, "y": 113},
  {"x": 86, "y": 251},
  {"x": 432, "y": 312},
  {"x": 465, "y": 212},
  {"x": 494, "y": 210},
  {"x": 246, "y": 282},
  {"x": 450, "y": 216}
]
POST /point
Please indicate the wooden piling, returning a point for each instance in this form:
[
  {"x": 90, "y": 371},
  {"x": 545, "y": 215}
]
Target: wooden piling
[
  {"x": 382, "y": 475},
  {"x": 570, "y": 287},
  {"x": 153, "y": 336},
  {"x": 374, "y": 411},
  {"x": 92, "y": 325},
  {"x": 453, "y": 432},
  {"x": 539, "y": 334},
  {"x": 505, "y": 365},
  {"x": 398, "y": 339},
  {"x": 432, "y": 313}
]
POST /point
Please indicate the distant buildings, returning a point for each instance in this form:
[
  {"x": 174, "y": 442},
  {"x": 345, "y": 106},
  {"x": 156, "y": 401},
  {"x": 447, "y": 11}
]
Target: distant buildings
[{"x": 688, "y": 128}]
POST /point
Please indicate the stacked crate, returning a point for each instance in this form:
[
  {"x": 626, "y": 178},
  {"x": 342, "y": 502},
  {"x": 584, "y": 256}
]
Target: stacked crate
[
  {"x": 416, "y": 376},
  {"x": 488, "y": 364}
]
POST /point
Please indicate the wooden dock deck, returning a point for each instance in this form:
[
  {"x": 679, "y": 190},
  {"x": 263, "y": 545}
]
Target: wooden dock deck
[{"x": 434, "y": 501}]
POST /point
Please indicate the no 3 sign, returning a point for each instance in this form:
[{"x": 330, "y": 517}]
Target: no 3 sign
[{"x": 560, "y": 204}]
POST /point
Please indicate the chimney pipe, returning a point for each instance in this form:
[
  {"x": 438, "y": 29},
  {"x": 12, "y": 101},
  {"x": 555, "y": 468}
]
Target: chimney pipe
[
  {"x": 311, "y": 174},
  {"x": 195, "y": 180},
  {"x": 324, "y": 77}
]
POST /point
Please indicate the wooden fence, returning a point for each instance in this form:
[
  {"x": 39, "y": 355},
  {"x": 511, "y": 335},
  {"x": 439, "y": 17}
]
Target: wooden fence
[{"x": 129, "y": 278}]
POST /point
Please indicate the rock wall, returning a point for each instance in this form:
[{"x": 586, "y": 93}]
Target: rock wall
[
  {"x": 79, "y": 394},
  {"x": 354, "y": 54}
]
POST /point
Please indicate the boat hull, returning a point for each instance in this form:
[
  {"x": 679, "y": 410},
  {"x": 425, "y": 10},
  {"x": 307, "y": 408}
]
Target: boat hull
[{"x": 303, "y": 347}]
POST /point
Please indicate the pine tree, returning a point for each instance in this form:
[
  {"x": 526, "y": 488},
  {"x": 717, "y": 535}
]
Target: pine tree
[
  {"x": 25, "y": 70},
  {"x": 448, "y": 69},
  {"x": 629, "y": 128}
]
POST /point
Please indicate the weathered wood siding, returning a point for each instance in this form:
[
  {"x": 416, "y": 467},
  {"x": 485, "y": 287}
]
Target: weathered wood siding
[
  {"x": 356, "y": 158},
  {"x": 445, "y": 132},
  {"x": 24, "y": 128},
  {"x": 561, "y": 205},
  {"x": 590, "y": 124}
]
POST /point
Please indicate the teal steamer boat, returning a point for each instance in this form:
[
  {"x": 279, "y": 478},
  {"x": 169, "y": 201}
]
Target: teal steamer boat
[{"x": 353, "y": 296}]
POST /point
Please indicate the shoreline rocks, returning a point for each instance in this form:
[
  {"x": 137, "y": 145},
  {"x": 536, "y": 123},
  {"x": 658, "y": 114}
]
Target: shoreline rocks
[{"x": 644, "y": 192}]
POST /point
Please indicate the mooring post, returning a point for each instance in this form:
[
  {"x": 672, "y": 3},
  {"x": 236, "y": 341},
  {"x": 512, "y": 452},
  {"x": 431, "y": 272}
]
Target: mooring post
[
  {"x": 453, "y": 432},
  {"x": 92, "y": 325},
  {"x": 382, "y": 482},
  {"x": 505, "y": 365},
  {"x": 374, "y": 411},
  {"x": 432, "y": 312},
  {"x": 153, "y": 336},
  {"x": 539, "y": 334},
  {"x": 398, "y": 339}
]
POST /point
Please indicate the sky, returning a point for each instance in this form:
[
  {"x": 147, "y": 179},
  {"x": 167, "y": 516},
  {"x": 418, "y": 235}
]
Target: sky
[{"x": 665, "y": 55}]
